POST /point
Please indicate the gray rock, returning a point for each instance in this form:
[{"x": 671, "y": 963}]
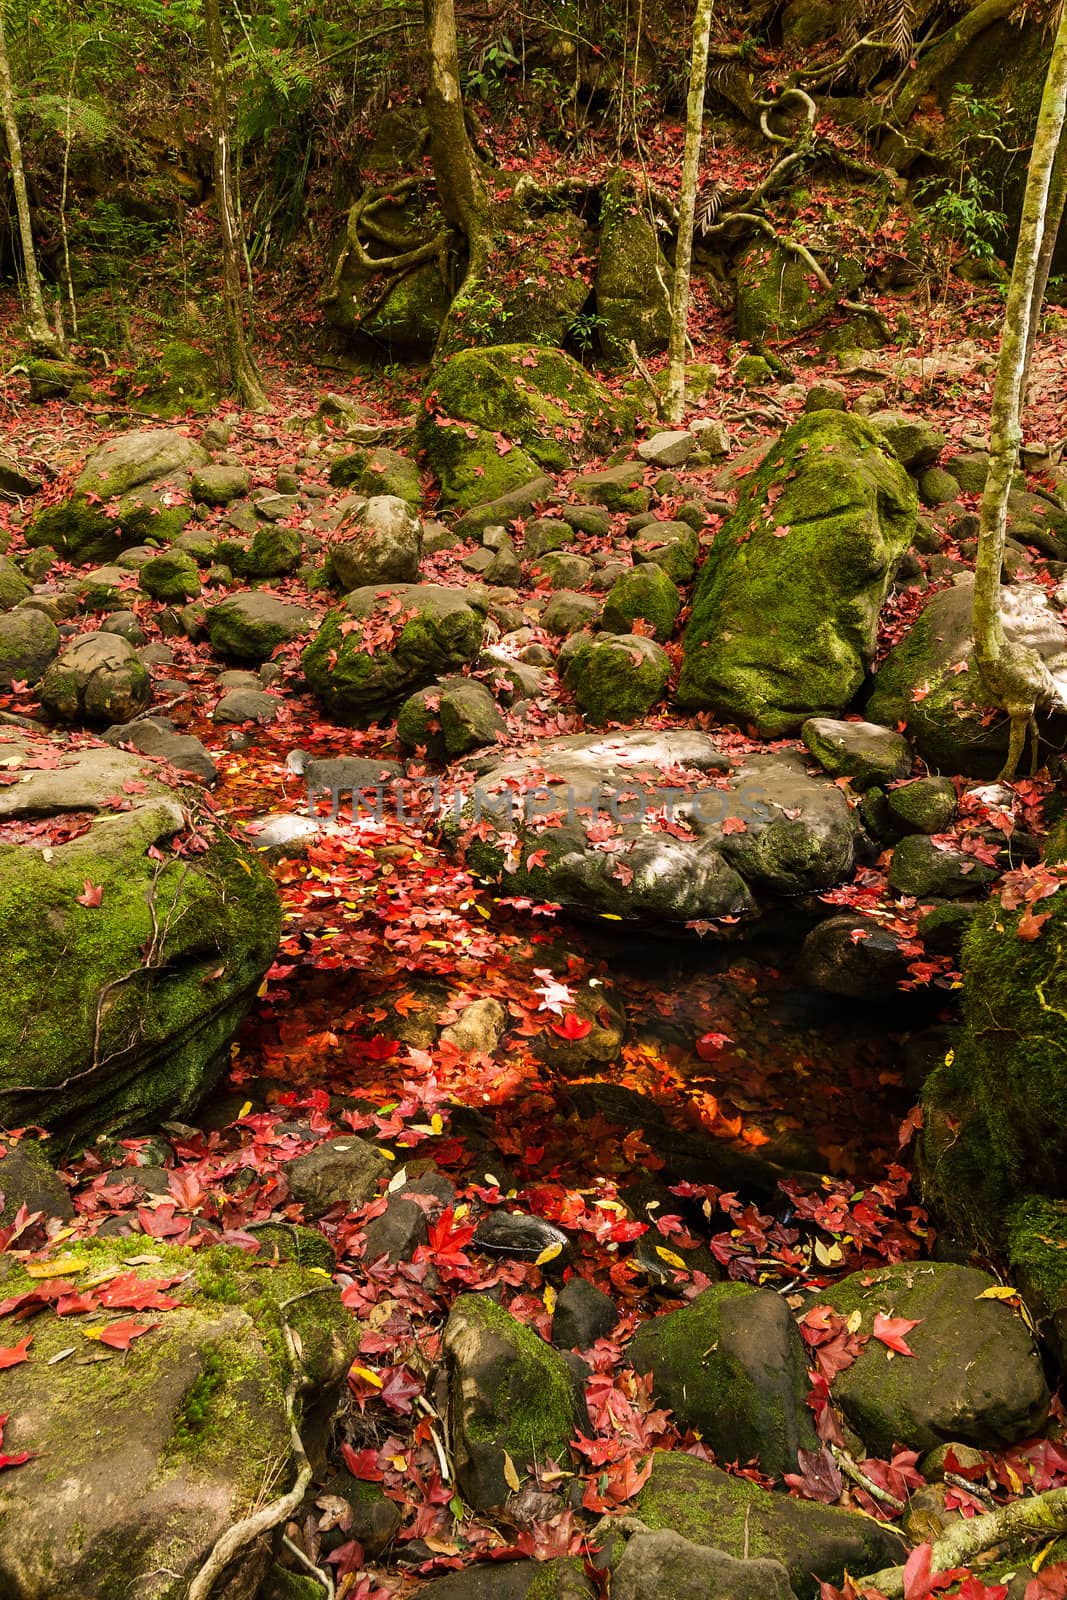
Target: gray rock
[
  {"x": 341, "y": 1171},
  {"x": 667, "y": 449},
  {"x": 479, "y": 1027},
  {"x": 380, "y": 543},
  {"x": 854, "y": 957},
  {"x": 583, "y": 1315},
  {"x": 13, "y": 586},
  {"x": 28, "y": 1178},
  {"x": 926, "y": 806},
  {"x": 450, "y": 719},
  {"x": 217, "y": 485},
  {"x": 156, "y": 736},
  {"x": 127, "y": 625},
  {"x": 617, "y": 678},
  {"x": 915, "y": 442},
  {"x": 619, "y": 488},
  {"x": 567, "y": 612},
  {"x": 246, "y": 705},
  {"x": 826, "y": 396}
]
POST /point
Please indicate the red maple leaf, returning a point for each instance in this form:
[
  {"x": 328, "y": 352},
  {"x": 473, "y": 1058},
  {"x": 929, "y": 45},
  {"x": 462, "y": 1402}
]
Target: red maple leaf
[
  {"x": 891, "y": 1330},
  {"x": 91, "y": 895},
  {"x": 14, "y": 1354}
]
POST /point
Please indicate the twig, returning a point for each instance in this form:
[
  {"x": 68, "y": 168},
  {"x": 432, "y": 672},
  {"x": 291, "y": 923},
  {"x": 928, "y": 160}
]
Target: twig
[
  {"x": 243, "y": 1533},
  {"x": 649, "y": 381},
  {"x": 306, "y": 1561},
  {"x": 858, "y": 1476}
]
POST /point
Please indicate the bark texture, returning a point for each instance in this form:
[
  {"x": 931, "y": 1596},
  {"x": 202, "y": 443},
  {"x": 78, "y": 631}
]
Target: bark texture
[
  {"x": 683, "y": 260},
  {"x": 42, "y": 335}
]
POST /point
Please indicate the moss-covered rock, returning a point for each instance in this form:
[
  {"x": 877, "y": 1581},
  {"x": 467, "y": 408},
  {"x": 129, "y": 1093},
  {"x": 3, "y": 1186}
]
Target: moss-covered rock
[
  {"x": 1035, "y": 1235},
  {"x": 251, "y": 626},
  {"x": 55, "y": 380},
  {"x": 172, "y": 576},
  {"x": 450, "y": 719},
  {"x": 930, "y": 682},
  {"x": 132, "y": 489},
  {"x": 551, "y": 412},
  {"x": 633, "y": 279},
  {"x": 143, "y": 1460},
  {"x": 29, "y": 640},
  {"x": 13, "y": 586},
  {"x": 182, "y": 380},
  {"x": 975, "y": 1376},
  {"x": 389, "y": 472},
  {"x": 539, "y": 282},
  {"x": 648, "y": 593},
  {"x": 385, "y": 642},
  {"x": 672, "y": 546},
  {"x": 994, "y": 1125},
  {"x": 814, "y": 1543},
  {"x": 378, "y": 542},
  {"x": 510, "y": 1395},
  {"x": 862, "y": 752},
  {"x": 786, "y": 608},
  {"x": 617, "y": 678},
  {"x": 217, "y": 485},
  {"x": 777, "y": 293},
  {"x": 147, "y": 965},
  {"x": 731, "y": 1364}
]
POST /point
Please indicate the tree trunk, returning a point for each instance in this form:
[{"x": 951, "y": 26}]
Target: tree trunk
[
  {"x": 683, "y": 257},
  {"x": 1057, "y": 199},
  {"x": 42, "y": 335},
  {"x": 460, "y": 189},
  {"x": 243, "y": 372},
  {"x": 1014, "y": 677}
]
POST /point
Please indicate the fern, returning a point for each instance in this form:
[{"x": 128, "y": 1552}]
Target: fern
[{"x": 88, "y": 123}]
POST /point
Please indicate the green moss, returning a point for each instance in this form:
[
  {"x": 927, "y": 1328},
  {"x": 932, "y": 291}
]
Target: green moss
[
  {"x": 183, "y": 380},
  {"x": 617, "y": 679},
  {"x": 633, "y": 281},
  {"x": 213, "y": 922},
  {"x": 995, "y": 1125},
  {"x": 1036, "y": 1235},
  {"x": 784, "y": 622},
  {"x": 646, "y": 592},
  {"x": 532, "y": 1413}
]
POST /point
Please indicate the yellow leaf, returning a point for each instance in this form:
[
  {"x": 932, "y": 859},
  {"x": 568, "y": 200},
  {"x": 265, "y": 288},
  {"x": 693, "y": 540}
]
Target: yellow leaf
[
  {"x": 549, "y": 1298},
  {"x": 399, "y": 1462},
  {"x": 827, "y": 1256},
  {"x": 1014, "y": 1481},
  {"x": 483, "y": 911},
  {"x": 549, "y": 1253},
  {"x": 368, "y": 1376},
  {"x": 61, "y": 1267},
  {"x": 241, "y": 862},
  {"x": 437, "y": 1122},
  {"x": 669, "y": 1257},
  {"x": 609, "y": 916},
  {"x": 389, "y": 1155},
  {"x": 245, "y": 1109},
  {"x": 855, "y": 1322},
  {"x": 511, "y": 1477},
  {"x": 998, "y": 1291},
  {"x": 950, "y": 1058}
]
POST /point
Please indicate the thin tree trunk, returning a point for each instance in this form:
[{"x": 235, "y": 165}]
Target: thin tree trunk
[
  {"x": 460, "y": 190},
  {"x": 1057, "y": 200},
  {"x": 683, "y": 256},
  {"x": 243, "y": 371},
  {"x": 1013, "y": 676},
  {"x": 42, "y": 335}
]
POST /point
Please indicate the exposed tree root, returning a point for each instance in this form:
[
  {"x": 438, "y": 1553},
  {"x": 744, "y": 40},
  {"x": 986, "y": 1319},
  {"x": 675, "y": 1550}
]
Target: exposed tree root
[{"x": 1042, "y": 1514}]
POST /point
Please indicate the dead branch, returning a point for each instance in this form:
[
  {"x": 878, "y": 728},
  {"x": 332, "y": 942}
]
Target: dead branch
[{"x": 1041, "y": 1514}]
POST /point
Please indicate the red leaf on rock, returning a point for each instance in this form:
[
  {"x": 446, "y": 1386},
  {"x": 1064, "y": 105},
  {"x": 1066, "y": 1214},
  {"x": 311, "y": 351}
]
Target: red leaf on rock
[
  {"x": 891, "y": 1330},
  {"x": 14, "y": 1354},
  {"x": 91, "y": 895},
  {"x": 572, "y": 1026},
  {"x": 120, "y": 1335}
]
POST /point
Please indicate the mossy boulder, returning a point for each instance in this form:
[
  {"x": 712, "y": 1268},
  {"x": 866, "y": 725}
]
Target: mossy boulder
[
  {"x": 183, "y": 379},
  {"x": 617, "y": 678},
  {"x": 994, "y": 1126},
  {"x": 492, "y": 418},
  {"x": 633, "y": 279},
  {"x": 56, "y": 380},
  {"x": 131, "y": 489},
  {"x": 450, "y": 719},
  {"x": 250, "y": 626},
  {"x": 13, "y": 586},
  {"x": 387, "y": 641},
  {"x": 731, "y": 1365},
  {"x": 814, "y": 1543},
  {"x": 648, "y": 593},
  {"x": 672, "y": 546},
  {"x": 142, "y": 1460},
  {"x": 930, "y": 682},
  {"x": 862, "y": 752},
  {"x": 98, "y": 678},
  {"x": 975, "y": 1375},
  {"x": 786, "y": 609},
  {"x": 29, "y": 640},
  {"x": 510, "y": 1395},
  {"x": 147, "y": 963},
  {"x": 778, "y": 295},
  {"x": 272, "y": 552},
  {"x": 218, "y": 485},
  {"x": 172, "y": 576}
]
